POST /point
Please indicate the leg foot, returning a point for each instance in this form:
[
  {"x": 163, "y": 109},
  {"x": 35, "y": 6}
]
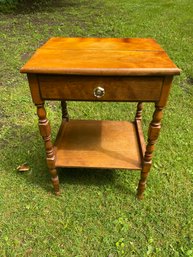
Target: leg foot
[
  {"x": 55, "y": 181},
  {"x": 143, "y": 179},
  {"x": 140, "y": 197},
  {"x": 140, "y": 190}
]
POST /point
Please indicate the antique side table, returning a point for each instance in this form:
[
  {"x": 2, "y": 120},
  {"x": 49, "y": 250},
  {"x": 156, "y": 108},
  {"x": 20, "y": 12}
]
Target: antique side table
[{"x": 100, "y": 69}]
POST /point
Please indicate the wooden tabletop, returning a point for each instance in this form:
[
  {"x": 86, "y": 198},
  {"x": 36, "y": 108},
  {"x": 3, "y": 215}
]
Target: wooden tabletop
[{"x": 101, "y": 56}]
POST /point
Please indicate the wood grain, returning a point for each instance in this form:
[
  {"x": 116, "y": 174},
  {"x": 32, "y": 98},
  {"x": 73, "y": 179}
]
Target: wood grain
[
  {"x": 97, "y": 144},
  {"x": 116, "y": 88},
  {"x": 124, "y": 69},
  {"x": 139, "y": 130},
  {"x": 153, "y": 133},
  {"x": 34, "y": 88},
  {"x": 45, "y": 132},
  {"x": 123, "y": 44},
  {"x": 92, "y": 56}
]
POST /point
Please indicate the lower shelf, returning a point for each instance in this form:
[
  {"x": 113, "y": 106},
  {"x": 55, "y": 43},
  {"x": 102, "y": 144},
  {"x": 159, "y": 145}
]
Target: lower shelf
[{"x": 98, "y": 144}]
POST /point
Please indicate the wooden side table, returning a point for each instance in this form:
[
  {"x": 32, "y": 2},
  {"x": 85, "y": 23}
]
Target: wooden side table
[{"x": 100, "y": 69}]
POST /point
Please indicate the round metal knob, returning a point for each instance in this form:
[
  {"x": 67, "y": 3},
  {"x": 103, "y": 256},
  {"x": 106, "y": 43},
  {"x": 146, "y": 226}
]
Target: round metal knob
[{"x": 99, "y": 92}]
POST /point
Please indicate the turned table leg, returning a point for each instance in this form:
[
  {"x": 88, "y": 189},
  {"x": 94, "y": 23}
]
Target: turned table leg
[
  {"x": 153, "y": 134},
  {"x": 138, "y": 115},
  {"x": 65, "y": 115},
  {"x": 45, "y": 132}
]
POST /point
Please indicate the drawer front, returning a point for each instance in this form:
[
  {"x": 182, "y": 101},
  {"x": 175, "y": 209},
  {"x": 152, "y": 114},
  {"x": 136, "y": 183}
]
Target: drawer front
[{"x": 94, "y": 88}]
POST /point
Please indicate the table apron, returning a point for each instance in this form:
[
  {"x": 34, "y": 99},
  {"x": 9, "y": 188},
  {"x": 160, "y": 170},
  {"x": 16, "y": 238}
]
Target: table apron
[{"x": 115, "y": 88}]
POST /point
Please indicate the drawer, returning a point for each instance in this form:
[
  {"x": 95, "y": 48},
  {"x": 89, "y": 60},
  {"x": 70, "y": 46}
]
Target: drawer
[{"x": 96, "y": 88}]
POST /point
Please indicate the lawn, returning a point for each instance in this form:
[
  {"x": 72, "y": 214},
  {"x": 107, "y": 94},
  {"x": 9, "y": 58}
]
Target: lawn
[{"x": 97, "y": 214}]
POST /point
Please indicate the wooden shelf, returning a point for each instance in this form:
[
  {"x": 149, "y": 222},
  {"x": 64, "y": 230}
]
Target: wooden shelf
[{"x": 98, "y": 144}]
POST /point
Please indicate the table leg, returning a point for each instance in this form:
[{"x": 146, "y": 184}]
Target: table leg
[
  {"x": 65, "y": 115},
  {"x": 153, "y": 134},
  {"x": 138, "y": 115},
  {"x": 45, "y": 132}
]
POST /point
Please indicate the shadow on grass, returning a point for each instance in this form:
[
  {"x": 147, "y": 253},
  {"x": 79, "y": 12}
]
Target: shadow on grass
[
  {"x": 96, "y": 177},
  {"x": 32, "y": 6},
  {"x": 73, "y": 176},
  {"x": 23, "y": 144}
]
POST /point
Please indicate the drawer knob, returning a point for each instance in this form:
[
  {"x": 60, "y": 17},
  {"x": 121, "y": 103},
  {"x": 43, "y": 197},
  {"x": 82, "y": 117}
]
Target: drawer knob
[{"x": 99, "y": 92}]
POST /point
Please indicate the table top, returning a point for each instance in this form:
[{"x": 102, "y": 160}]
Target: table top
[{"x": 101, "y": 56}]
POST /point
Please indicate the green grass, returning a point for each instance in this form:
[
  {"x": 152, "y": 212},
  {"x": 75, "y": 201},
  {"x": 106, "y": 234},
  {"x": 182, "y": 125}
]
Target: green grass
[{"x": 97, "y": 214}]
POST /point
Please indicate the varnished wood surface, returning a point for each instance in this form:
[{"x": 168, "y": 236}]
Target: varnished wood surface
[
  {"x": 97, "y": 144},
  {"x": 94, "y": 56},
  {"x": 123, "y": 44},
  {"x": 128, "y": 70},
  {"x": 45, "y": 132},
  {"x": 116, "y": 88},
  {"x": 153, "y": 133},
  {"x": 138, "y": 124},
  {"x": 141, "y": 139}
]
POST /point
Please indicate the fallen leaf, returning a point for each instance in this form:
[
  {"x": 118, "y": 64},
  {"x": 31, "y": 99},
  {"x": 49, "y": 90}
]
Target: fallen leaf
[{"x": 23, "y": 167}]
